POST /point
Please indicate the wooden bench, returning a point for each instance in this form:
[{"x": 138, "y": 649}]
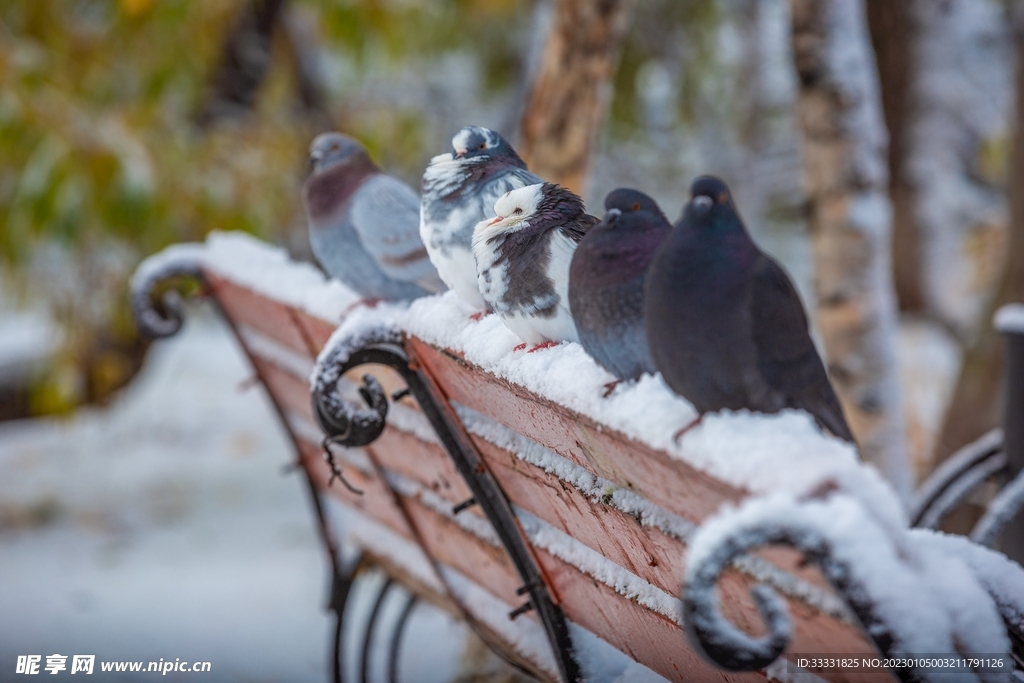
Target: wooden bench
[{"x": 596, "y": 534}]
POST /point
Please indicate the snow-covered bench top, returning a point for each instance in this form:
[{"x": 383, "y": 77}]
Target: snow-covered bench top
[{"x": 609, "y": 501}]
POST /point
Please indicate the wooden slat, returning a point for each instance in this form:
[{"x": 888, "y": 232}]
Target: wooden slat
[
  {"x": 647, "y": 637},
  {"x": 647, "y": 552},
  {"x": 668, "y": 483},
  {"x": 317, "y": 331},
  {"x": 285, "y": 389},
  {"x": 425, "y": 463},
  {"x": 269, "y": 317},
  {"x": 376, "y": 500}
]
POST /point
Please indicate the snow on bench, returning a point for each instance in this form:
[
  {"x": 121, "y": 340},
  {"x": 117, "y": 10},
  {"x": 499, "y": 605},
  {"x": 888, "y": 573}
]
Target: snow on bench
[{"x": 609, "y": 504}]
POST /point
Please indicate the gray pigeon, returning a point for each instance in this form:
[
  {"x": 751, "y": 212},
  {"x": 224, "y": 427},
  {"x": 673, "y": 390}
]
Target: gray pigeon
[
  {"x": 606, "y": 282},
  {"x": 522, "y": 260},
  {"x": 459, "y": 191},
  {"x": 363, "y": 224},
  {"x": 726, "y": 326}
]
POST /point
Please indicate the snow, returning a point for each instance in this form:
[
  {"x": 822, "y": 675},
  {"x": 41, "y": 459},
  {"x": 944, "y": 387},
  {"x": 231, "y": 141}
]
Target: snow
[
  {"x": 999, "y": 575},
  {"x": 929, "y": 361},
  {"x": 753, "y": 451},
  {"x": 524, "y": 634},
  {"x": 759, "y": 453},
  {"x": 251, "y": 263},
  {"x": 271, "y": 351},
  {"x": 25, "y": 338},
  {"x": 162, "y": 527},
  {"x": 592, "y": 563},
  {"x": 925, "y": 597},
  {"x": 1009, "y": 319},
  {"x": 648, "y": 514},
  {"x": 436, "y": 646}
]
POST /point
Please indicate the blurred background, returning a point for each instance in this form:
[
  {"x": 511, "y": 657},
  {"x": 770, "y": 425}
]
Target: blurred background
[{"x": 129, "y": 125}]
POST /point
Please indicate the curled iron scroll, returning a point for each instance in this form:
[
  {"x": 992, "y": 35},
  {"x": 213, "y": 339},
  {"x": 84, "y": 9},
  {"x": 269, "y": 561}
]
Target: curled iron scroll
[
  {"x": 835, "y": 549},
  {"x": 163, "y": 316},
  {"x": 342, "y": 421}
]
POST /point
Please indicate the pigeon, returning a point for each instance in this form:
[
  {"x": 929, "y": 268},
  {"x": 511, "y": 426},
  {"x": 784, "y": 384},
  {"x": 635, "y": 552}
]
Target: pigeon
[
  {"x": 522, "y": 261},
  {"x": 726, "y": 327},
  {"x": 606, "y": 283},
  {"x": 363, "y": 223},
  {"x": 459, "y": 190}
]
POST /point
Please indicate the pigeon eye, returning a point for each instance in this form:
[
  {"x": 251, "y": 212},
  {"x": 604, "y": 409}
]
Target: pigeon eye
[
  {"x": 483, "y": 145},
  {"x": 636, "y": 206},
  {"x": 518, "y": 212}
]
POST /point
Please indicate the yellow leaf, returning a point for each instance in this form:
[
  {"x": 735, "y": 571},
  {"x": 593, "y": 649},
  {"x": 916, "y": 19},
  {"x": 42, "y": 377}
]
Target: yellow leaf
[{"x": 134, "y": 8}]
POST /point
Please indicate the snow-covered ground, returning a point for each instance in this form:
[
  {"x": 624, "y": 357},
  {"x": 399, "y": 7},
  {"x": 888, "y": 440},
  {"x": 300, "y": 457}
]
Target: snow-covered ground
[{"x": 163, "y": 526}]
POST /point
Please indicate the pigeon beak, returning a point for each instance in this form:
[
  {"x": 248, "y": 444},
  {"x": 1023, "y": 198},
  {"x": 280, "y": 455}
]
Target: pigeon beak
[
  {"x": 702, "y": 203},
  {"x": 497, "y": 219},
  {"x": 459, "y": 153}
]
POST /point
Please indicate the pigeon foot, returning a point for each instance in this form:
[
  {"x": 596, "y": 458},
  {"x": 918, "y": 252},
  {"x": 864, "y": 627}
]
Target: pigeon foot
[
  {"x": 545, "y": 345},
  {"x": 678, "y": 435},
  {"x": 478, "y": 315},
  {"x": 610, "y": 387},
  {"x": 518, "y": 347}
]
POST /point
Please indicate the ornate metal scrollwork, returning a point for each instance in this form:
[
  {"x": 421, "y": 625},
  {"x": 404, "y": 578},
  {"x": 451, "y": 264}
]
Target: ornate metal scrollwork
[
  {"x": 163, "y": 317},
  {"x": 953, "y": 481},
  {"x": 786, "y": 521},
  {"x": 343, "y": 422},
  {"x": 356, "y": 426}
]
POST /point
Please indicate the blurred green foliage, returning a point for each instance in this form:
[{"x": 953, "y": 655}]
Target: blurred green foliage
[{"x": 101, "y": 161}]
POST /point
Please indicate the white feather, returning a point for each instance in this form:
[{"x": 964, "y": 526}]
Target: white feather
[
  {"x": 454, "y": 260},
  {"x": 491, "y": 280}
]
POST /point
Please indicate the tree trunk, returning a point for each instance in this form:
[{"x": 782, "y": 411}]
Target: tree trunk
[
  {"x": 977, "y": 401},
  {"x": 957, "y": 139},
  {"x": 892, "y": 33},
  {"x": 244, "y": 62},
  {"x": 844, "y": 149},
  {"x": 571, "y": 90}
]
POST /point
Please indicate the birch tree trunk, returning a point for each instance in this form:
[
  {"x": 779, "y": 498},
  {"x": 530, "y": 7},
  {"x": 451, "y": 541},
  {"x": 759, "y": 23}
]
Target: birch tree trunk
[
  {"x": 976, "y": 405},
  {"x": 845, "y": 178},
  {"x": 571, "y": 90}
]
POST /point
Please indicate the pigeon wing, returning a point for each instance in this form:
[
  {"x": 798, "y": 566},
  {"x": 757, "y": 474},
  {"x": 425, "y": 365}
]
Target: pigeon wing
[
  {"x": 386, "y": 215},
  {"x": 578, "y": 227},
  {"x": 787, "y": 358}
]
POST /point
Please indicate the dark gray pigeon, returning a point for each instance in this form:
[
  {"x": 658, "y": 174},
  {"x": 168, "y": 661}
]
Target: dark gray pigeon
[
  {"x": 726, "y": 326},
  {"x": 459, "y": 191},
  {"x": 364, "y": 225},
  {"x": 522, "y": 259},
  {"x": 606, "y": 282}
]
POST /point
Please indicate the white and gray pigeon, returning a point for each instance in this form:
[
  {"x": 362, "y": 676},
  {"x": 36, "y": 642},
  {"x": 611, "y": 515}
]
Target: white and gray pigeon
[
  {"x": 459, "y": 191},
  {"x": 522, "y": 259},
  {"x": 363, "y": 224}
]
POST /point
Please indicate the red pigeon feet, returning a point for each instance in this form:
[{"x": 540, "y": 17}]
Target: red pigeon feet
[
  {"x": 610, "y": 387},
  {"x": 545, "y": 345},
  {"x": 478, "y": 315},
  {"x": 678, "y": 435},
  {"x": 518, "y": 347}
]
